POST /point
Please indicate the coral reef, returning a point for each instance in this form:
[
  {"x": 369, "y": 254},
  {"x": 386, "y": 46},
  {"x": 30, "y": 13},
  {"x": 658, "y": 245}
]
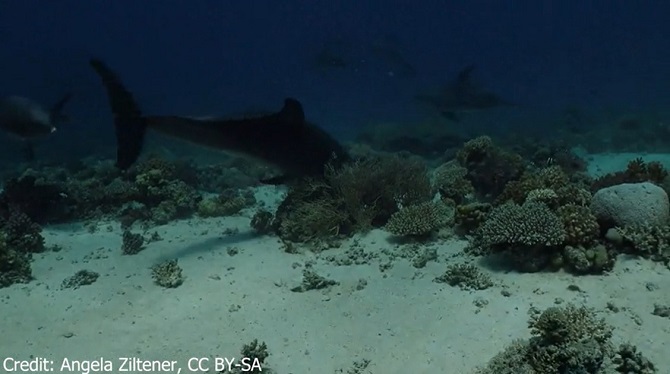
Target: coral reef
[
  {"x": 14, "y": 264},
  {"x": 80, "y": 278},
  {"x": 167, "y": 274},
  {"x": 466, "y": 277},
  {"x": 311, "y": 211},
  {"x": 580, "y": 225},
  {"x": 165, "y": 197},
  {"x": 594, "y": 259},
  {"x": 530, "y": 224},
  {"x": 489, "y": 167},
  {"x": 40, "y": 200},
  {"x": 547, "y": 196},
  {"x": 567, "y": 339},
  {"x": 637, "y": 171},
  {"x": 548, "y": 178},
  {"x": 262, "y": 222},
  {"x": 530, "y": 235},
  {"x": 646, "y": 240},
  {"x": 373, "y": 189},
  {"x": 254, "y": 355},
  {"x": 420, "y": 220},
  {"x": 232, "y": 173},
  {"x": 449, "y": 180},
  {"x": 469, "y": 217},
  {"x": 227, "y": 203},
  {"x": 631, "y": 204},
  {"x": 21, "y": 232},
  {"x": 155, "y": 191},
  {"x": 313, "y": 281},
  {"x": 353, "y": 198},
  {"x": 131, "y": 244},
  {"x": 630, "y": 361},
  {"x": 560, "y": 334}
]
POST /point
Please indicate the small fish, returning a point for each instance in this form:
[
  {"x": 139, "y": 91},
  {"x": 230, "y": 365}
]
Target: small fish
[
  {"x": 25, "y": 119},
  {"x": 283, "y": 139},
  {"x": 462, "y": 96}
]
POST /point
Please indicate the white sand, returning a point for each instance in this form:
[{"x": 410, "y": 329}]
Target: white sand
[{"x": 401, "y": 321}]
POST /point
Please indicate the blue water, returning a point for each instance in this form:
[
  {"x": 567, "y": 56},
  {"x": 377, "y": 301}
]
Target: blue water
[
  {"x": 571, "y": 67},
  {"x": 221, "y": 57}
]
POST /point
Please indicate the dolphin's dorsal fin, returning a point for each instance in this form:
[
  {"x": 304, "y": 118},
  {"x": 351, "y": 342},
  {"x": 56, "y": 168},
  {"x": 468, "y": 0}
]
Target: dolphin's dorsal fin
[
  {"x": 464, "y": 78},
  {"x": 292, "y": 112}
]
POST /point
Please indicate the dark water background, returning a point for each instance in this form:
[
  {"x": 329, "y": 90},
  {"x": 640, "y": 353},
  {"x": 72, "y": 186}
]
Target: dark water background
[{"x": 209, "y": 57}]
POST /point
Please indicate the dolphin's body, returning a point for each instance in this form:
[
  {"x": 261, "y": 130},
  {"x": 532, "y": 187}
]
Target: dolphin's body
[
  {"x": 462, "y": 96},
  {"x": 27, "y": 120},
  {"x": 283, "y": 139}
]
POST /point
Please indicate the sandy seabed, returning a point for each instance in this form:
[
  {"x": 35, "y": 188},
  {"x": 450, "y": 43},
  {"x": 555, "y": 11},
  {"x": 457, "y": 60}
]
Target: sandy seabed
[{"x": 238, "y": 288}]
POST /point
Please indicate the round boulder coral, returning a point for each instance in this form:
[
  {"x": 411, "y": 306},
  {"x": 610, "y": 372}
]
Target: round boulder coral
[{"x": 632, "y": 204}]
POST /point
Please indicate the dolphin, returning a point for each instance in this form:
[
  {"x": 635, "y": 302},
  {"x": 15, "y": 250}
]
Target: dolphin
[
  {"x": 283, "y": 139},
  {"x": 462, "y": 96},
  {"x": 27, "y": 120}
]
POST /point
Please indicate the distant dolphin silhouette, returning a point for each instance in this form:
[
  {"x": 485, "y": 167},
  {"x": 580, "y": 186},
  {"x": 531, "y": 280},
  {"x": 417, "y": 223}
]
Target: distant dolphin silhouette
[
  {"x": 283, "y": 139},
  {"x": 462, "y": 96},
  {"x": 27, "y": 120}
]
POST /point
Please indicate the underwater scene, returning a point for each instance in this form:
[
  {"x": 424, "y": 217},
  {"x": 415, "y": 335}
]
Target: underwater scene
[{"x": 342, "y": 187}]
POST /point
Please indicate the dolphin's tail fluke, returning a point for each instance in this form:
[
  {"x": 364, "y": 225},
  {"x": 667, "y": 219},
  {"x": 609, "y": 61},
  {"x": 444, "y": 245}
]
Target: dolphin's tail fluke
[{"x": 128, "y": 121}]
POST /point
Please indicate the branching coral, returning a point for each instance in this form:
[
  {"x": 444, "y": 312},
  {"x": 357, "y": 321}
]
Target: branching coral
[
  {"x": 42, "y": 201},
  {"x": 530, "y": 235},
  {"x": 373, "y": 189},
  {"x": 543, "y": 195},
  {"x": 581, "y": 226},
  {"x": 22, "y": 233},
  {"x": 420, "y": 219},
  {"x": 547, "y": 178},
  {"x": 14, "y": 264},
  {"x": 310, "y": 211},
  {"x": 229, "y": 202},
  {"x": 489, "y": 167},
  {"x": 594, "y": 259},
  {"x": 354, "y": 197},
  {"x": 466, "y": 277},
  {"x": 449, "y": 180},
  {"x": 567, "y": 339},
  {"x": 648, "y": 240},
  {"x": 313, "y": 220},
  {"x": 530, "y": 224},
  {"x": 636, "y": 171},
  {"x": 469, "y": 217},
  {"x": 167, "y": 274}
]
